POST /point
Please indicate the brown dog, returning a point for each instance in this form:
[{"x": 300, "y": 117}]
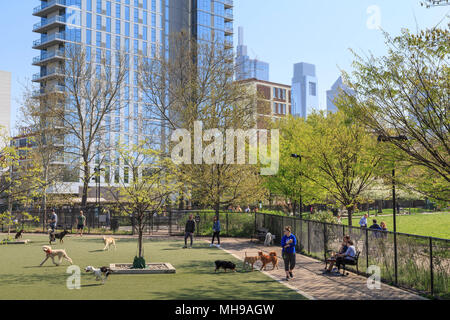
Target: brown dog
[
  {"x": 270, "y": 258},
  {"x": 249, "y": 261}
]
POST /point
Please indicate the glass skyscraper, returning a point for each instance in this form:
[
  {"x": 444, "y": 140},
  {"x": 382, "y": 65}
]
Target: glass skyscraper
[
  {"x": 247, "y": 68},
  {"x": 140, "y": 28}
]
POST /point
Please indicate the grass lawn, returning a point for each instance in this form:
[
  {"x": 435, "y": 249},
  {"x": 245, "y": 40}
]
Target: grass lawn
[
  {"x": 434, "y": 225},
  {"x": 22, "y": 278}
]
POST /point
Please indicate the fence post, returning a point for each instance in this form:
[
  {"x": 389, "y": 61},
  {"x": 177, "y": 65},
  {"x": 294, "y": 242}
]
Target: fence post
[
  {"x": 309, "y": 237},
  {"x": 367, "y": 248},
  {"x": 301, "y": 232},
  {"x": 325, "y": 241},
  {"x": 170, "y": 222},
  {"x": 226, "y": 218},
  {"x": 431, "y": 266},
  {"x": 395, "y": 259}
]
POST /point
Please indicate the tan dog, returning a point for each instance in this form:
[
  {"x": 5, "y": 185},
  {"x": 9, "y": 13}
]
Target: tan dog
[
  {"x": 270, "y": 258},
  {"x": 249, "y": 261},
  {"x": 108, "y": 241},
  {"x": 50, "y": 253}
]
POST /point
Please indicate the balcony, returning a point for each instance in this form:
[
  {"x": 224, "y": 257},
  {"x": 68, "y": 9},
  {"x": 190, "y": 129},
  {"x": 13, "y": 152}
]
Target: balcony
[
  {"x": 49, "y": 40},
  {"x": 228, "y": 15},
  {"x": 228, "y": 3},
  {"x": 49, "y": 74},
  {"x": 47, "y": 7},
  {"x": 47, "y": 24},
  {"x": 228, "y": 44},
  {"x": 50, "y": 90},
  {"x": 228, "y": 30},
  {"x": 47, "y": 57}
]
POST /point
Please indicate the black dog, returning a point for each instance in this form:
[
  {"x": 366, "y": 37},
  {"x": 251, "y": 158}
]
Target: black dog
[
  {"x": 225, "y": 265},
  {"x": 60, "y": 236},
  {"x": 19, "y": 234}
]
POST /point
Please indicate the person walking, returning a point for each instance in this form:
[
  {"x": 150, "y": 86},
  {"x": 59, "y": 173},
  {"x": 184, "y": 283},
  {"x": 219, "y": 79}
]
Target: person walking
[
  {"x": 216, "y": 231},
  {"x": 81, "y": 223},
  {"x": 288, "y": 243},
  {"x": 363, "y": 221},
  {"x": 189, "y": 230}
]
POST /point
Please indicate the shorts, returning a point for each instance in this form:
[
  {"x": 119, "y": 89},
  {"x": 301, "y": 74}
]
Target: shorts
[{"x": 80, "y": 226}]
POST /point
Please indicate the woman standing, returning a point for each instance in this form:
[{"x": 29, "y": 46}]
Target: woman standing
[
  {"x": 81, "y": 223},
  {"x": 288, "y": 243},
  {"x": 216, "y": 231}
]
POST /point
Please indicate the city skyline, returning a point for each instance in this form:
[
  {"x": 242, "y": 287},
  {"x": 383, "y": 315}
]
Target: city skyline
[{"x": 323, "y": 46}]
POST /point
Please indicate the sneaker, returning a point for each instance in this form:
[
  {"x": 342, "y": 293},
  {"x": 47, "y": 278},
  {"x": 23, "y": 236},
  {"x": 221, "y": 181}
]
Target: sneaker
[
  {"x": 184, "y": 247},
  {"x": 287, "y": 278},
  {"x": 210, "y": 245},
  {"x": 218, "y": 246},
  {"x": 290, "y": 273}
]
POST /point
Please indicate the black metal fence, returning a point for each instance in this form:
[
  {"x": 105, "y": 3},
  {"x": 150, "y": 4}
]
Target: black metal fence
[{"x": 410, "y": 261}]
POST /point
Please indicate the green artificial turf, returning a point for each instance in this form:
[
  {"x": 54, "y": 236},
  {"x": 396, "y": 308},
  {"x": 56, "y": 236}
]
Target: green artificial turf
[
  {"x": 22, "y": 278},
  {"x": 432, "y": 225}
]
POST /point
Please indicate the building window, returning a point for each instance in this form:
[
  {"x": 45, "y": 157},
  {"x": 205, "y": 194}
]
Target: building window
[{"x": 312, "y": 89}]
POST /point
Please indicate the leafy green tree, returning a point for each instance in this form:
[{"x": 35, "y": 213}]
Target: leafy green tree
[
  {"x": 144, "y": 182},
  {"x": 406, "y": 93}
]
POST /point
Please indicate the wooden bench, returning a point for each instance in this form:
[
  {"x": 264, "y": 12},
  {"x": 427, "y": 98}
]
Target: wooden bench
[{"x": 353, "y": 262}]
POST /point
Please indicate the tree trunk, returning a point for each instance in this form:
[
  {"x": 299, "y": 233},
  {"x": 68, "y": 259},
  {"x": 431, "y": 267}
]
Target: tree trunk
[
  {"x": 85, "y": 186},
  {"x": 350, "y": 215},
  {"x": 217, "y": 207}
]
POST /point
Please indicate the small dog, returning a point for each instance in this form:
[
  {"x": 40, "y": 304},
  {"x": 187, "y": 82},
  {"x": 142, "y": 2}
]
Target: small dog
[
  {"x": 53, "y": 236},
  {"x": 269, "y": 239},
  {"x": 225, "y": 265},
  {"x": 249, "y": 261},
  {"x": 50, "y": 253},
  {"x": 19, "y": 234},
  {"x": 108, "y": 241},
  {"x": 101, "y": 273},
  {"x": 270, "y": 258}
]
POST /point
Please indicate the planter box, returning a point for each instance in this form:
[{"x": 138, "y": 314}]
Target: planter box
[
  {"x": 16, "y": 242},
  {"x": 152, "y": 268}
]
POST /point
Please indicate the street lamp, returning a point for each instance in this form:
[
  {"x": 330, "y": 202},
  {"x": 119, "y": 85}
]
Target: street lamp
[
  {"x": 299, "y": 157},
  {"x": 383, "y": 138},
  {"x": 97, "y": 171}
]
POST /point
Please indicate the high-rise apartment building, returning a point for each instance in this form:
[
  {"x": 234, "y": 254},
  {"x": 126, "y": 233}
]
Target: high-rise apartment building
[
  {"x": 247, "y": 68},
  {"x": 332, "y": 94},
  {"x": 305, "y": 98},
  {"x": 140, "y": 28},
  {"x": 5, "y": 101}
]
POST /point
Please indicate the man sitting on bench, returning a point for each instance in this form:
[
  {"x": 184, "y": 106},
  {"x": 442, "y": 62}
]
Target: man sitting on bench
[{"x": 344, "y": 258}]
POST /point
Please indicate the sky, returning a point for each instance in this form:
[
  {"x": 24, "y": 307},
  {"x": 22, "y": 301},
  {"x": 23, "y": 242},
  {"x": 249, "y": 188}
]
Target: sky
[{"x": 281, "y": 32}]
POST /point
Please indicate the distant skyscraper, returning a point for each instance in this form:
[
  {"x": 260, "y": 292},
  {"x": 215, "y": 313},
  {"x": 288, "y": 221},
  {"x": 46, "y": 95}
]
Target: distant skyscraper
[
  {"x": 332, "y": 94},
  {"x": 249, "y": 68},
  {"x": 305, "y": 99},
  {"x": 5, "y": 100}
]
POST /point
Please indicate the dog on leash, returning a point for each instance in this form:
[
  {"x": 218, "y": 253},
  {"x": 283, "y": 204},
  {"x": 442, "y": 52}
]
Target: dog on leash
[
  {"x": 250, "y": 261},
  {"x": 225, "y": 265},
  {"x": 270, "y": 258},
  {"x": 269, "y": 239},
  {"x": 108, "y": 241},
  {"x": 50, "y": 253},
  {"x": 53, "y": 236},
  {"x": 101, "y": 273},
  {"x": 19, "y": 234}
]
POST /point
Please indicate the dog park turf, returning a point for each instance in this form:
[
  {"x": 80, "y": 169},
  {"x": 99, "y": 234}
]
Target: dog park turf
[{"x": 22, "y": 278}]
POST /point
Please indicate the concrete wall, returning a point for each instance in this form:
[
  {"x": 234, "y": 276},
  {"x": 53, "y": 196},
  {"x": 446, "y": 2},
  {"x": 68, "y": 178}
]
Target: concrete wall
[{"x": 5, "y": 100}]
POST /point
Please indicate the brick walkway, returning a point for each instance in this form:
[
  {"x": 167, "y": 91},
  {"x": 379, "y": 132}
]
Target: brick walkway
[{"x": 310, "y": 281}]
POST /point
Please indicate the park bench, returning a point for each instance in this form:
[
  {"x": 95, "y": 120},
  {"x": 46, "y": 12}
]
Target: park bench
[{"x": 354, "y": 262}]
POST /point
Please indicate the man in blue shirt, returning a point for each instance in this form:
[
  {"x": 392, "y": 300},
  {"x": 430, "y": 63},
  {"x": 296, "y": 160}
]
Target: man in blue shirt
[
  {"x": 363, "y": 221},
  {"x": 288, "y": 243},
  {"x": 53, "y": 220}
]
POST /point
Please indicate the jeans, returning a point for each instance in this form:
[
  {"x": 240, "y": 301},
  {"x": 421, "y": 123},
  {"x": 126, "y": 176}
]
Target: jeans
[
  {"x": 289, "y": 261},
  {"x": 188, "y": 235},
  {"x": 216, "y": 234}
]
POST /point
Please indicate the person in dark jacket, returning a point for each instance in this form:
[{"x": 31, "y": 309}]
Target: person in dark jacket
[
  {"x": 216, "y": 231},
  {"x": 288, "y": 243},
  {"x": 375, "y": 225},
  {"x": 189, "y": 230}
]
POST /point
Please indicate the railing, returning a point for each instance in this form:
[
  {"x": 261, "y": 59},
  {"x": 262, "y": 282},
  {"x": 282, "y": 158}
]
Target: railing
[
  {"x": 47, "y": 4},
  {"x": 45, "y": 22},
  {"x": 49, "y": 72},
  {"x": 48, "y": 55},
  {"x": 42, "y": 91}
]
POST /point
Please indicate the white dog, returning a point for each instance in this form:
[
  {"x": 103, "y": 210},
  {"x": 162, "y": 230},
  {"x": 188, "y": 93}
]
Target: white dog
[
  {"x": 108, "y": 241},
  {"x": 269, "y": 239},
  {"x": 50, "y": 253},
  {"x": 100, "y": 273}
]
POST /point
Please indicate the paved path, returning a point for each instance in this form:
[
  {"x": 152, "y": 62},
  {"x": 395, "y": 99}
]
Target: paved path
[{"x": 310, "y": 281}]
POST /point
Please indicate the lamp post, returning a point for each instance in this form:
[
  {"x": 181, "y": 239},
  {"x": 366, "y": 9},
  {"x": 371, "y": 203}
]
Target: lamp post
[
  {"x": 383, "y": 138},
  {"x": 299, "y": 157},
  {"x": 97, "y": 171}
]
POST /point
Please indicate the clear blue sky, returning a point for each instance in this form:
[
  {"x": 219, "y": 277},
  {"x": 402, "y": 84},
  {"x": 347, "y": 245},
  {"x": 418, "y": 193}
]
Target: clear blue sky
[{"x": 281, "y": 32}]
